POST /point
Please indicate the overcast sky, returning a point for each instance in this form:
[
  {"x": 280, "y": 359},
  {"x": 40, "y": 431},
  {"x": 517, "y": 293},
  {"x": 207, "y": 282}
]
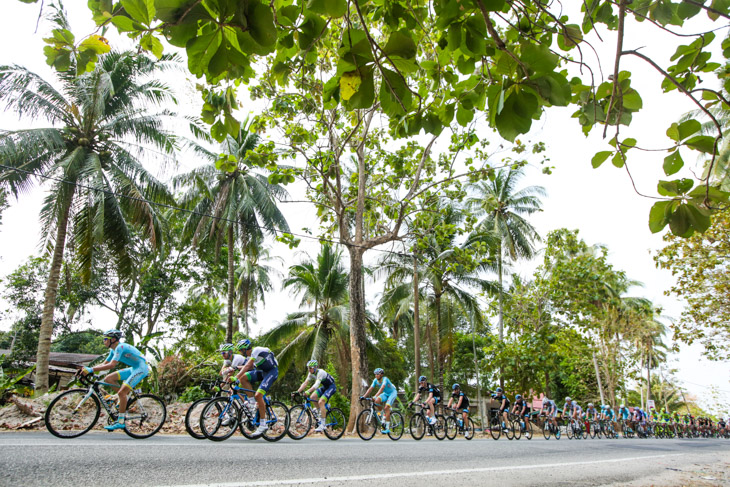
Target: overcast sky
[{"x": 601, "y": 203}]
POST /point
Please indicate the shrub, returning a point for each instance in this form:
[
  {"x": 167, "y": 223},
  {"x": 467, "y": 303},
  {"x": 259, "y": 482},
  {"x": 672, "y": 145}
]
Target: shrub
[
  {"x": 193, "y": 393},
  {"x": 172, "y": 376}
]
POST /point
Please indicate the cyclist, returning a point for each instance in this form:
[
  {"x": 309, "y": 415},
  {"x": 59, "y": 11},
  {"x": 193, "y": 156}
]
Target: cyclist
[
  {"x": 321, "y": 391},
  {"x": 721, "y": 426},
  {"x": 590, "y": 414},
  {"x": 609, "y": 417},
  {"x": 263, "y": 368},
  {"x": 385, "y": 396},
  {"x": 432, "y": 395},
  {"x": 550, "y": 409},
  {"x": 130, "y": 377},
  {"x": 521, "y": 409},
  {"x": 232, "y": 362},
  {"x": 501, "y": 398},
  {"x": 459, "y": 400}
]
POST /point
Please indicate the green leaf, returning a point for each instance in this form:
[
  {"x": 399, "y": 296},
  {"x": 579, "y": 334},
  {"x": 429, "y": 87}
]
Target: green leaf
[
  {"x": 464, "y": 116},
  {"x": 124, "y": 24},
  {"x": 600, "y": 157},
  {"x": 570, "y": 37},
  {"x": 310, "y": 30},
  {"x": 393, "y": 93},
  {"x": 675, "y": 188},
  {"x": 659, "y": 215},
  {"x": 680, "y": 222},
  {"x": 539, "y": 58},
  {"x": 688, "y": 128},
  {"x": 702, "y": 143},
  {"x": 401, "y": 44},
  {"x": 516, "y": 118},
  {"x": 201, "y": 50},
  {"x": 632, "y": 100},
  {"x": 261, "y": 24},
  {"x": 618, "y": 159},
  {"x": 673, "y": 163},
  {"x": 673, "y": 132},
  {"x": 331, "y": 8},
  {"x": 349, "y": 84},
  {"x": 152, "y": 44},
  {"x": 365, "y": 95},
  {"x": 140, "y": 10}
]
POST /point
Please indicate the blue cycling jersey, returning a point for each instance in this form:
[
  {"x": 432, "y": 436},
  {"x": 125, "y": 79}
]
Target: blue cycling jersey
[
  {"x": 389, "y": 387},
  {"x": 128, "y": 355},
  {"x": 624, "y": 412}
]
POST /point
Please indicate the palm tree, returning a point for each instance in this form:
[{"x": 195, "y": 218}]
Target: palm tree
[
  {"x": 323, "y": 321},
  {"x": 253, "y": 280},
  {"x": 102, "y": 123},
  {"x": 502, "y": 207},
  {"x": 231, "y": 203}
]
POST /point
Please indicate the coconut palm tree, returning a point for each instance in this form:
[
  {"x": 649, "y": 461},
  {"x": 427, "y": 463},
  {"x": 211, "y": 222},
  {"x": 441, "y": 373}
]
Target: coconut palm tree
[
  {"x": 101, "y": 126},
  {"x": 232, "y": 203},
  {"x": 502, "y": 207},
  {"x": 253, "y": 280}
]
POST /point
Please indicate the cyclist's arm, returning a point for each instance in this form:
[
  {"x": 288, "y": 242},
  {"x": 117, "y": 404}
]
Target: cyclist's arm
[
  {"x": 416, "y": 397},
  {"x": 367, "y": 393},
  {"x": 504, "y": 404},
  {"x": 301, "y": 387},
  {"x": 246, "y": 368},
  {"x": 458, "y": 405},
  {"x": 105, "y": 366}
]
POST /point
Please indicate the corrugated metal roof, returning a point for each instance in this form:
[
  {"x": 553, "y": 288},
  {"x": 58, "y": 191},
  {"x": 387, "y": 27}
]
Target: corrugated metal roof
[{"x": 63, "y": 358}]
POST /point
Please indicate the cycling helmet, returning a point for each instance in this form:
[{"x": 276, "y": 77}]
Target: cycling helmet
[
  {"x": 113, "y": 333},
  {"x": 378, "y": 371},
  {"x": 590, "y": 404},
  {"x": 312, "y": 364},
  {"x": 499, "y": 389},
  {"x": 455, "y": 386},
  {"x": 244, "y": 344},
  {"x": 623, "y": 406},
  {"x": 568, "y": 399},
  {"x": 518, "y": 396},
  {"x": 545, "y": 399},
  {"x": 422, "y": 379},
  {"x": 226, "y": 347}
]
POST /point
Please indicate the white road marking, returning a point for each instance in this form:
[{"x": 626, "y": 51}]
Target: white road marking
[{"x": 354, "y": 478}]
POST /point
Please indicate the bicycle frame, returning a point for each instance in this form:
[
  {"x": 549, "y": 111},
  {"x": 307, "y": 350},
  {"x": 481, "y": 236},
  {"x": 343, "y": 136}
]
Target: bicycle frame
[{"x": 95, "y": 388}]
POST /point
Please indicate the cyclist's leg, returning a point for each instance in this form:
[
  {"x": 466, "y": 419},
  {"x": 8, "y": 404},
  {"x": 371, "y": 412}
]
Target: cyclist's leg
[
  {"x": 247, "y": 379},
  {"x": 389, "y": 405},
  {"x": 268, "y": 379}
]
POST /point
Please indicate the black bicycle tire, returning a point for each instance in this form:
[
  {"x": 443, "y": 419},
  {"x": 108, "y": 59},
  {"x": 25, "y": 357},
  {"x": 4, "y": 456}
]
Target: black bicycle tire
[
  {"x": 528, "y": 429},
  {"x": 439, "y": 427},
  {"x": 365, "y": 413},
  {"x": 58, "y": 399},
  {"x": 157, "y": 427},
  {"x": 546, "y": 431},
  {"x": 417, "y": 418},
  {"x": 452, "y": 427},
  {"x": 340, "y": 419},
  {"x": 268, "y": 436},
  {"x": 189, "y": 428},
  {"x": 495, "y": 428},
  {"x": 393, "y": 421},
  {"x": 220, "y": 403},
  {"x": 297, "y": 414},
  {"x": 471, "y": 429}
]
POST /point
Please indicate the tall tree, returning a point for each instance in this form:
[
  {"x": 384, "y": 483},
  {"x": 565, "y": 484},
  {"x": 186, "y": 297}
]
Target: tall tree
[
  {"x": 232, "y": 203},
  {"x": 502, "y": 206},
  {"x": 101, "y": 124},
  {"x": 254, "y": 278}
]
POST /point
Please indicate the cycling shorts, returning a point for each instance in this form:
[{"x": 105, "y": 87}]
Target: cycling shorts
[
  {"x": 133, "y": 375},
  {"x": 388, "y": 399},
  {"x": 327, "y": 391},
  {"x": 465, "y": 410},
  {"x": 266, "y": 379}
]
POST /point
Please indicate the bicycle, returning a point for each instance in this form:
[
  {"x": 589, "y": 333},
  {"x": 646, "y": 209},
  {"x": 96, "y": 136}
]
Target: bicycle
[
  {"x": 495, "y": 423},
  {"x": 455, "y": 425},
  {"x": 301, "y": 417},
  {"x": 514, "y": 426},
  {"x": 370, "y": 420},
  {"x": 626, "y": 428},
  {"x": 192, "y": 416},
  {"x": 223, "y": 415},
  {"x": 548, "y": 428},
  {"x": 575, "y": 429},
  {"x": 420, "y": 424},
  {"x": 526, "y": 423},
  {"x": 76, "y": 411}
]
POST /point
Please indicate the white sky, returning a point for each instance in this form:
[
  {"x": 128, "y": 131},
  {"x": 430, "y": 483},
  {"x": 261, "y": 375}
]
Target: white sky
[{"x": 601, "y": 203}]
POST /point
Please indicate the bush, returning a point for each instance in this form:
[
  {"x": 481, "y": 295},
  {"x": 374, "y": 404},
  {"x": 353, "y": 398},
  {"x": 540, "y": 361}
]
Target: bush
[
  {"x": 193, "y": 393},
  {"x": 172, "y": 376}
]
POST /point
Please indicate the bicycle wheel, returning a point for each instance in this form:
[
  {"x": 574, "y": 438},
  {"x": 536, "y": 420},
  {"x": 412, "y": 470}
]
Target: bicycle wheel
[
  {"x": 546, "y": 429},
  {"x": 397, "y": 425},
  {"x": 557, "y": 433},
  {"x": 569, "y": 430},
  {"x": 516, "y": 429},
  {"x": 146, "y": 414},
  {"x": 277, "y": 417},
  {"x": 495, "y": 428},
  {"x": 247, "y": 422},
  {"x": 366, "y": 424},
  {"x": 69, "y": 415},
  {"x": 334, "y": 424},
  {"x": 439, "y": 427},
  {"x": 417, "y": 426},
  {"x": 219, "y": 419},
  {"x": 528, "y": 429},
  {"x": 300, "y": 422},
  {"x": 452, "y": 427},
  {"x": 192, "y": 418},
  {"x": 469, "y": 429},
  {"x": 595, "y": 431}
]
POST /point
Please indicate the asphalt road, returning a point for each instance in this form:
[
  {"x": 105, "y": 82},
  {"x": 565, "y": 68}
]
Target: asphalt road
[{"x": 37, "y": 458}]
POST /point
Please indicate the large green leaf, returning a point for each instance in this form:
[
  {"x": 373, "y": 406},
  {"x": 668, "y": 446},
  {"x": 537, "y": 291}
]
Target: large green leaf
[
  {"x": 600, "y": 157},
  {"x": 261, "y": 24},
  {"x": 702, "y": 143},
  {"x": 539, "y": 58},
  {"x": 140, "y": 10},
  {"x": 660, "y": 214},
  {"x": 516, "y": 117},
  {"x": 330, "y": 8},
  {"x": 393, "y": 94},
  {"x": 401, "y": 44},
  {"x": 201, "y": 50},
  {"x": 365, "y": 95},
  {"x": 674, "y": 188},
  {"x": 673, "y": 163}
]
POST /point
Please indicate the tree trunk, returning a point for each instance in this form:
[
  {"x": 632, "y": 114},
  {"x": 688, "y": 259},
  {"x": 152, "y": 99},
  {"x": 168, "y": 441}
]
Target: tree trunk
[
  {"x": 476, "y": 371},
  {"x": 439, "y": 357},
  {"x": 231, "y": 286},
  {"x": 501, "y": 312},
  {"x": 598, "y": 377},
  {"x": 431, "y": 353},
  {"x": 358, "y": 339},
  {"x": 648, "y": 378},
  {"x": 416, "y": 322},
  {"x": 547, "y": 383},
  {"x": 49, "y": 305},
  {"x": 246, "y": 290}
]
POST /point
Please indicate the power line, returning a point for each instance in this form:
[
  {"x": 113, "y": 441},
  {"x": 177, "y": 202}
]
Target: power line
[{"x": 185, "y": 210}]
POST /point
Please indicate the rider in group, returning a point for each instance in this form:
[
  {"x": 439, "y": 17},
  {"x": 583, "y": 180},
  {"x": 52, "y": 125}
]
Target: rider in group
[
  {"x": 131, "y": 376},
  {"x": 432, "y": 395},
  {"x": 459, "y": 400},
  {"x": 590, "y": 414},
  {"x": 520, "y": 408},
  {"x": 321, "y": 391},
  {"x": 550, "y": 409},
  {"x": 386, "y": 395},
  {"x": 501, "y": 398},
  {"x": 262, "y": 368}
]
